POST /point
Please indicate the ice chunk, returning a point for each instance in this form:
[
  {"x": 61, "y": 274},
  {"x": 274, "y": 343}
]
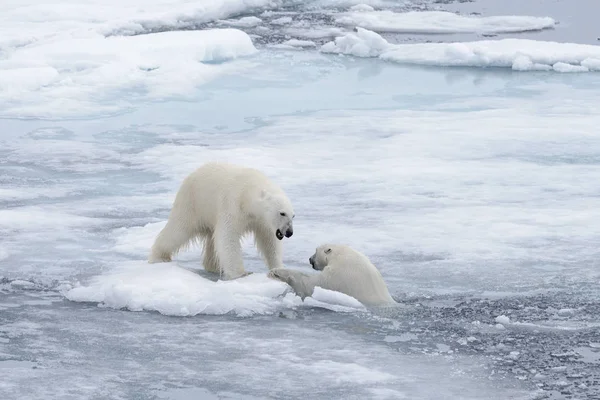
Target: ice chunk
[
  {"x": 362, "y": 8},
  {"x": 363, "y": 43},
  {"x": 524, "y": 63},
  {"x": 172, "y": 290},
  {"x": 69, "y": 76},
  {"x": 441, "y": 22},
  {"x": 315, "y": 32},
  {"x": 299, "y": 43},
  {"x": 294, "y": 44},
  {"x": 519, "y": 54},
  {"x": 244, "y": 22},
  {"x": 503, "y": 319},
  {"x": 28, "y": 21},
  {"x": 282, "y": 21},
  {"x": 19, "y": 283},
  {"x": 566, "y": 67},
  {"x": 333, "y": 297},
  {"x": 593, "y": 64}
]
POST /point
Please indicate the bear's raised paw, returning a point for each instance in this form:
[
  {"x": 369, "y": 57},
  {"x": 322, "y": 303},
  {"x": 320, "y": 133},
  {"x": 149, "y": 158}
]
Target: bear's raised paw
[{"x": 280, "y": 274}]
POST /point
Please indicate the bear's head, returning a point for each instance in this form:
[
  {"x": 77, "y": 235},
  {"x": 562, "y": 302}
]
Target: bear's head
[
  {"x": 322, "y": 256},
  {"x": 278, "y": 214},
  {"x": 327, "y": 253}
]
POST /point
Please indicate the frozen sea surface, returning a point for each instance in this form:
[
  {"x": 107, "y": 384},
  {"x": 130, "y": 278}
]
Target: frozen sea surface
[{"x": 471, "y": 188}]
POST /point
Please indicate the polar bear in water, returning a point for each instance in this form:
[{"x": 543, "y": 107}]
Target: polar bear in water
[
  {"x": 344, "y": 270},
  {"x": 219, "y": 203}
]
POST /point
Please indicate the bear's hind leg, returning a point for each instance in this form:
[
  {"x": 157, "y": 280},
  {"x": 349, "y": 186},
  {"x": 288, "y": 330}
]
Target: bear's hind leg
[{"x": 171, "y": 238}]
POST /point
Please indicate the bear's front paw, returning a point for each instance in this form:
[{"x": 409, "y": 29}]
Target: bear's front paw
[{"x": 280, "y": 274}]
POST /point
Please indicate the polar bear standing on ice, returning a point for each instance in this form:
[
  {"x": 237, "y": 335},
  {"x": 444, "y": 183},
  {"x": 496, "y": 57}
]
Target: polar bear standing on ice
[
  {"x": 219, "y": 203},
  {"x": 344, "y": 270}
]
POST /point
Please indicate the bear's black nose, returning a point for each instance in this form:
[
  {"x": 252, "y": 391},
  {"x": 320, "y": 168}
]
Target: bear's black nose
[
  {"x": 311, "y": 261},
  {"x": 289, "y": 233}
]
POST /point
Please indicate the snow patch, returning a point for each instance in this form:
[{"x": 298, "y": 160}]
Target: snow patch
[
  {"x": 73, "y": 75},
  {"x": 29, "y": 21},
  {"x": 519, "y": 54},
  {"x": 441, "y": 22},
  {"x": 172, "y": 290}
]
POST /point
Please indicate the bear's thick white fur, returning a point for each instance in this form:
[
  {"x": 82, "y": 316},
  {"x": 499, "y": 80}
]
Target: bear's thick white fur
[
  {"x": 218, "y": 204},
  {"x": 344, "y": 270}
]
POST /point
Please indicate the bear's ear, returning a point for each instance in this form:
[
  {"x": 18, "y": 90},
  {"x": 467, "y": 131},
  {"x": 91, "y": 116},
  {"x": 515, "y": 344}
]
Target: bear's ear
[{"x": 327, "y": 251}]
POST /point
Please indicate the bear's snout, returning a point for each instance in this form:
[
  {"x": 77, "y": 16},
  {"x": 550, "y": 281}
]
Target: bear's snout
[
  {"x": 311, "y": 260},
  {"x": 289, "y": 233}
]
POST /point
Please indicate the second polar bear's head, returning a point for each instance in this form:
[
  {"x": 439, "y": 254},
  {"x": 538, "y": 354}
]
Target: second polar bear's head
[
  {"x": 328, "y": 253},
  {"x": 277, "y": 213}
]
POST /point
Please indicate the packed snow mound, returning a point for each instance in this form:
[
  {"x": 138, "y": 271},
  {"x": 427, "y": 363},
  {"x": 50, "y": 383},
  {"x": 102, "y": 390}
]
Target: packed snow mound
[
  {"x": 441, "y": 22},
  {"x": 172, "y": 290},
  {"x": 28, "y": 21},
  {"x": 74, "y": 75},
  {"x": 518, "y": 54}
]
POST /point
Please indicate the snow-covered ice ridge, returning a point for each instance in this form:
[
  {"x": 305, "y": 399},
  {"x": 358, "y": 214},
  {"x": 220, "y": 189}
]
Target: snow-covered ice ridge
[
  {"x": 439, "y": 22},
  {"x": 518, "y": 54}
]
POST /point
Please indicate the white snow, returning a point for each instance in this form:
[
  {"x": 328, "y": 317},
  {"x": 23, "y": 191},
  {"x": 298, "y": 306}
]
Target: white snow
[
  {"x": 28, "y": 21},
  {"x": 519, "y": 54},
  {"x": 84, "y": 74},
  {"x": 172, "y": 290},
  {"x": 441, "y": 22}
]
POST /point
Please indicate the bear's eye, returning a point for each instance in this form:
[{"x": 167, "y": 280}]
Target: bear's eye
[
  {"x": 327, "y": 251},
  {"x": 282, "y": 214}
]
